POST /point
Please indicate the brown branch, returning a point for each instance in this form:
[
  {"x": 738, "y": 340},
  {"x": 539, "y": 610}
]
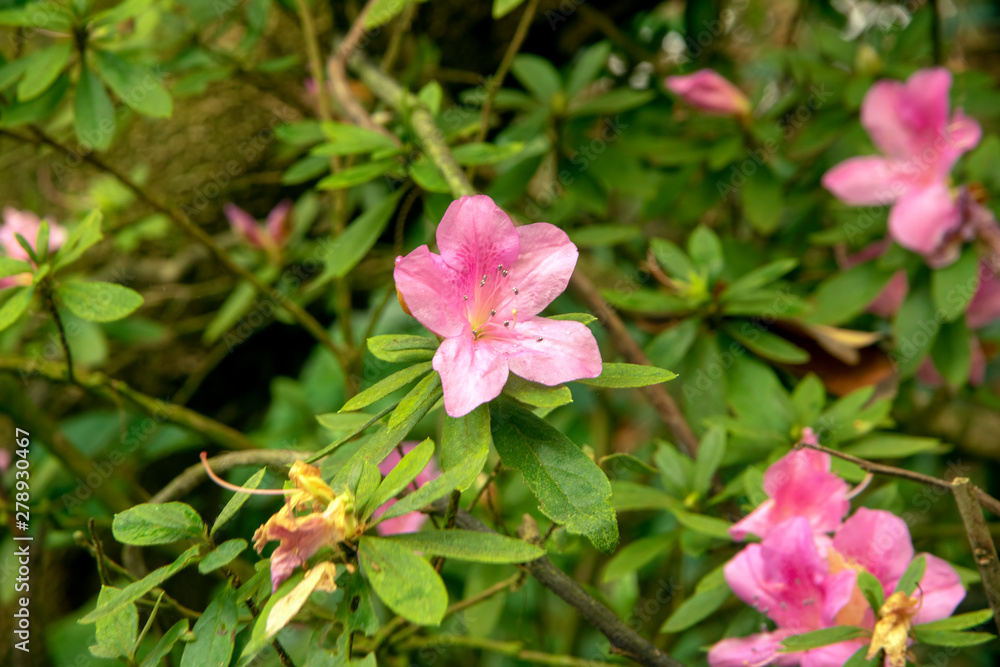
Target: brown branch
[
  {"x": 984, "y": 551},
  {"x": 985, "y": 499},
  {"x": 100, "y": 385},
  {"x": 623, "y": 638}
]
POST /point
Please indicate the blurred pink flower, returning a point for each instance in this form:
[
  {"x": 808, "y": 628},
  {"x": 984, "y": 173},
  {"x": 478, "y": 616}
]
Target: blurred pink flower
[
  {"x": 799, "y": 484},
  {"x": 708, "y": 91},
  {"x": 26, "y": 224},
  {"x": 412, "y": 521},
  {"x": 910, "y": 124},
  {"x": 483, "y": 293},
  {"x": 892, "y": 296},
  {"x": 271, "y": 234}
]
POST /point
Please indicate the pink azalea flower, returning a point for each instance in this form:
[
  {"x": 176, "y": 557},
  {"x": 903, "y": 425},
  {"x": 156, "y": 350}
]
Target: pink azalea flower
[
  {"x": 26, "y": 224},
  {"x": 910, "y": 124},
  {"x": 894, "y": 293},
  {"x": 412, "y": 521},
  {"x": 269, "y": 236},
  {"x": 483, "y": 293},
  {"x": 799, "y": 484},
  {"x": 788, "y": 579},
  {"x": 707, "y": 91}
]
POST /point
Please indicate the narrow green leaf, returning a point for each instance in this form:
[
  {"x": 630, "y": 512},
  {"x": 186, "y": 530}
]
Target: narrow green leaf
[
  {"x": 535, "y": 394},
  {"x": 223, "y": 554},
  {"x": 400, "y": 476},
  {"x": 354, "y": 243},
  {"x": 469, "y": 545},
  {"x": 11, "y": 267},
  {"x": 572, "y": 490},
  {"x": 356, "y": 175},
  {"x": 503, "y": 7},
  {"x": 705, "y": 250},
  {"x": 237, "y": 501},
  {"x": 763, "y": 343},
  {"x": 891, "y": 446},
  {"x": 417, "y": 397},
  {"x": 950, "y": 637},
  {"x": 710, "y": 453},
  {"x": 673, "y": 260},
  {"x": 344, "y": 139},
  {"x": 44, "y": 70},
  {"x": 214, "y": 633},
  {"x": 394, "y": 348},
  {"x": 80, "y": 239},
  {"x": 959, "y": 622},
  {"x": 695, "y": 609},
  {"x": 94, "y": 114},
  {"x": 538, "y": 76},
  {"x": 13, "y": 307},
  {"x": 405, "y": 582},
  {"x": 759, "y": 277},
  {"x": 120, "y": 629},
  {"x": 465, "y": 444},
  {"x": 953, "y": 286},
  {"x": 135, "y": 85},
  {"x": 166, "y": 644},
  {"x": 383, "y": 388},
  {"x": 848, "y": 293},
  {"x": 98, "y": 301},
  {"x": 623, "y": 376},
  {"x": 36, "y": 109},
  {"x": 912, "y": 576},
  {"x": 872, "y": 589},
  {"x": 635, "y": 555},
  {"x": 818, "y": 638}
]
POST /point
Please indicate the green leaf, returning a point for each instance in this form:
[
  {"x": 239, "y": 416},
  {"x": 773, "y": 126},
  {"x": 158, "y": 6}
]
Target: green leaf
[
  {"x": 860, "y": 659},
  {"x": 635, "y": 555},
  {"x": 415, "y": 399},
  {"x": 572, "y": 490},
  {"x": 950, "y": 637},
  {"x": 302, "y": 133},
  {"x": 383, "y": 11},
  {"x": 629, "y": 496},
  {"x": 808, "y": 398},
  {"x": 503, "y": 7},
  {"x": 706, "y": 525},
  {"x": 912, "y": 576},
  {"x": 260, "y": 636},
  {"x": 914, "y": 330},
  {"x": 166, "y": 644},
  {"x": 848, "y": 293},
  {"x": 237, "y": 501},
  {"x": 214, "y": 633},
  {"x": 646, "y": 301},
  {"x": 161, "y": 523},
  {"x": 763, "y": 200},
  {"x": 759, "y": 277},
  {"x": 383, "y": 388},
  {"x": 952, "y": 352},
  {"x": 538, "y": 77},
  {"x": 80, "y": 239},
  {"x": 405, "y": 582},
  {"x": 400, "y": 476},
  {"x": 475, "y": 154},
  {"x": 305, "y": 169},
  {"x": 891, "y": 446},
  {"x": 351, "y": 246},
  {"x": 535, "y": 394},
  {"x": 765, "y": 344},
  {"x": 224, "y": 554},
  {"x": 98, "y": 301},
  {"x": 356, "y": 175},
  {"x": 427, "y": 175},
  {"x": 346, "y": 139},
  {"x": 623, "y": 376},
  {"x": 614, "y": 101},
  {"x": 11, "y": 267},
  {"x": 395, "y": 347},
  {"x": 597, "y": 236},
  {"x": 589, "y": 64},
  {"x": 818, "y": 638},
  {"x": 465, "y": 444},
  {"x": 119, "y": 630},
  {"x": 94, "y": 114},
  {"x": 668, "y": 348},
  {"x": 137, "y": 589},
  {"x": 705, "y": 250},
  {"x": 36, "y": 109},
  {"x": 695, "y": 609},
  {"x": 582, "y": 318},
  {"x": 872, "y": 589},
  {"x": 15, "y": 305},
  {"x": 673, "y": 260},
  {"x": 45, "y": 67},
  {"x": 959, "y": 622},
  {"x": 624, "y": 461},
  {"x": 710, "y": 453},
  {"x": 469, "y": 545},
  {"x": 953, "y": 286},
  {"x": 135, "y": 85}
]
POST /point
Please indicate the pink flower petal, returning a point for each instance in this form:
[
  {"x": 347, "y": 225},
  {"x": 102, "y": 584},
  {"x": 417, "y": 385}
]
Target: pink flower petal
[
  {"x": 963, "y": 135},
  {"x": 472, "y": 373},
  {"x": 279, "y": 221},
  {"x": 759, "y": 649},
  {"x": 867, "y": 180},
  {"x": 920, "y": 219},
  {"x": 940, "y": 591},
  {"x": 431, "y": 291},
  {"x": 243, "y": 224},
  {"x": 26, "y": 223},
  {"x": 550, "y": 351},
  {"x": 542, "y": 269},
  {"x": 877, "y": 540},
  {"x": 903, "y": 119},
  {"x": 708, "y": 91},
  {"x": 984, "y": 309},
  {"x": 476, "y": 238},
  {"x": 835, "y": 655}
]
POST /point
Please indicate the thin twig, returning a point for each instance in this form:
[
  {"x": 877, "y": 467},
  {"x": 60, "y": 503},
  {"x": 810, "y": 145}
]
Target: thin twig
[
  {"x": 509, "y": 648},
  {"x": 482, "y": 489},
  {"x": 102, "y": 568},
  {"x": 182, "y": 221},
  {"x": 984, "y": 551},
  {"x": 496, "y": 81},
  {"x": 315, "y": 60},
  {"x": 50, "y": 302},
  {"x": 100, "y": 385},
  {"x": 985, "y": 499}
]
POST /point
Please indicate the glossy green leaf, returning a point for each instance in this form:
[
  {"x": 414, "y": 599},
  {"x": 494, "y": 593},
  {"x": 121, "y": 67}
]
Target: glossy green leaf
[
  {"x": 166, "y": 644},
  {"x": 214, "y": 633},
  {"x": 622, "y": 376},
  {"x": 695, "y": 609},
  {"x": 94, "y": 114},
  {"x": 222, "y": 555},
  {"x": 818, "y": 638},
  {"x": 465, "y": 445},
  {"x": 401, "y": 475},
  {"x": 238, "y": 500},
  {"x": 136, "y": 85},
  {"x": 469, "y": 545},
  {"x": 405, "y": 582},
  {"x": 344, "y": 139},
  {"x": 384, "y": 387},
  {"x": 395, "y": 348},
  {"x": 538, "y": 76},
  {"x": 161, "y": 523},
  {"x": 356, "y": 175},
  {"x": 912, "y": 576},
  {"x": 45, "y": 67},
  {"x": 98, "y": 301},
  {"x": 351, "y": 246}
]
